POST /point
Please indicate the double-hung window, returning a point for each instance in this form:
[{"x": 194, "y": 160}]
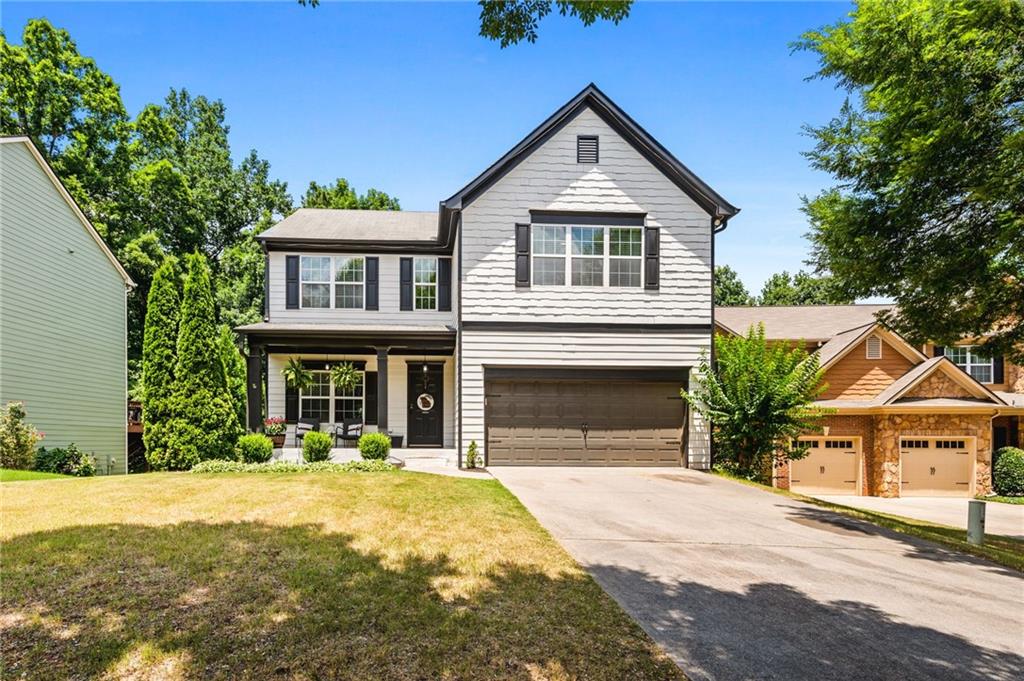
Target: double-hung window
[
  {"x": 323, "y": 399},
  {"x": 587, "y": 256},
  {"x": 967, "y": 358},
  {"x": 425, "y": 283},
  {"x": 315, "y": 278},
  {"x": 349, "y": 283},
  {"x": 315, "y": 401},
  {"x": 338, "y": 282}
]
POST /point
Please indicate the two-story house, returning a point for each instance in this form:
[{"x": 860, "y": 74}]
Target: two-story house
[
  {"x": 550, "y": 310},
  {"x": 904, "y": 420}
]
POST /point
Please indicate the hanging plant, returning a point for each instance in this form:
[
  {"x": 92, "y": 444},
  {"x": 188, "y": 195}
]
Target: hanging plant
[
  {"x": 297, "y": 376},
  {"x": 344, "y": 376}
]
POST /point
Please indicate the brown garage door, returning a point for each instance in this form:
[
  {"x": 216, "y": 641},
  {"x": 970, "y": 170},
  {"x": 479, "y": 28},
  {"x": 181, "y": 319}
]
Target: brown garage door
[{"x": 587, "y": 422}]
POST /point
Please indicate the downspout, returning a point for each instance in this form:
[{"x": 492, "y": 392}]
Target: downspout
[{"x": 458, "y": 343}]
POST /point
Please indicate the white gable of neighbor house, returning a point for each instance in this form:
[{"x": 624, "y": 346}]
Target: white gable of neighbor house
[{"x": 623, "y": 181}]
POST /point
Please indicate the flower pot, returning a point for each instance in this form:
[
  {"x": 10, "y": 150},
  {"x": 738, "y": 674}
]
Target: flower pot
[{"x": 278, "y": 440}]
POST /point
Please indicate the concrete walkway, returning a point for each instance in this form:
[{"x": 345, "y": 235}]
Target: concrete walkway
[
  {"x": 738, "y": 583},
  {"x": 1005, "y": 519},
  {"x": 436, "y": 461}
]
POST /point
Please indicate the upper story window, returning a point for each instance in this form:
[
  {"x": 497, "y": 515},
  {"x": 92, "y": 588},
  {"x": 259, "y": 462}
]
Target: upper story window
[
  {"x": 424, "y": 283},
  {"x": 965, "y": 357},
  {"x": 591, "y": 256},
  {"x": 332, "y": 281}
]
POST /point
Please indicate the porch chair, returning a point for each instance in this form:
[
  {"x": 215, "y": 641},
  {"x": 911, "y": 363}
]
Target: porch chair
[
  {"x": 303, "y": 426},
  {"x": 349, "y": 430}
]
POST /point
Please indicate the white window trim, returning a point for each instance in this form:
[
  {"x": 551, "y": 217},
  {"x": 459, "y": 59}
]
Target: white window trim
[
  {"x": 331, "y": 283},
  {"x": 568, "y": 256},
  {"x": 971, "y": 363},
  {"x": 332, "y": 396},
  {"x": 434, "y": 285}
]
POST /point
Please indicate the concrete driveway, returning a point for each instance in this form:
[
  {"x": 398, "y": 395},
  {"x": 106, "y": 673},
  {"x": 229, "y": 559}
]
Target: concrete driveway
[
  {"x": 1006, "y": 519},
  {"x": 738, "y": 583}
]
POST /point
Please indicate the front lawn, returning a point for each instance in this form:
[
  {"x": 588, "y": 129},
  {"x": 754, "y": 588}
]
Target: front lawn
[
  {"x": 1004, "y": 500},
  {"x": 299, "y": 576},
  {"x": 12, "y": 475}
]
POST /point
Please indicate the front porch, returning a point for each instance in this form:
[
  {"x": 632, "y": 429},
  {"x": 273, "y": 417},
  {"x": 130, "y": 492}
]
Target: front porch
[{"x": 406, "y": 388}]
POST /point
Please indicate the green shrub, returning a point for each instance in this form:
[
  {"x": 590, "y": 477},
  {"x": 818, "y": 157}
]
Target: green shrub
[
  {"x": 472, "y": 455},
  {"x": 316, "y": 446},
  {"x": 254, "y": 448},
  {"x": 374, "y": 446},
  {"x": 159, "y": 356},
  {"x": 222, "y": 466},
  {"x": 68, "y": 460},
  {"x": 1009, "y": 472},
  {"x": 18, "y": 439}
]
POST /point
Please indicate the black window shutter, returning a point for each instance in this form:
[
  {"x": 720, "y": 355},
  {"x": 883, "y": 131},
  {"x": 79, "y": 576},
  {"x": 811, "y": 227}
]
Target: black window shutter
[
  {"x": 291, "y": 404},
  {"x": 938, "y": 351},
  {"x": 373, "y": 283},
  {"x": 652, "y": 265},
  {"x": 291, "y": 277},
  {"x": 370, "y": 398},
  {"x": 444, "y": 284},
  {"x": 997, "y": 369},
  {"x": 405, "y": 284},
  {"x": 522, "y": 255}
]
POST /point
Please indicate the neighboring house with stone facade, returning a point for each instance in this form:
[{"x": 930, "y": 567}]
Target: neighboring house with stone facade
[{"x": 906, "y": 420}]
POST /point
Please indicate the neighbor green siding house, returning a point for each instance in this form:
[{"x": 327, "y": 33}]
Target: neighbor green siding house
[{"x": 63, "y": 312}]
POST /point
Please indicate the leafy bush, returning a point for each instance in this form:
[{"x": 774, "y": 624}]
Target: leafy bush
[
  {"x": 316, "y": 446},
  {"x": 374, "y": 446},
  {"x": 1009, "y": 472},
  {"x": 18, "y": 439},
  {"x": 222, "y": 466},
  {"x": 472, "y": 455},
  {"x": 68, "y": 460},
  {"x": 159, "y": 357},
  {"x": 254, "y": 448}
]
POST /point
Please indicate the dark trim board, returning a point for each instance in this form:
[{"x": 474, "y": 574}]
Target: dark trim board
[
  {"x": 285, "y": 349},
  {"x": 593, "y": 327},
  {"x": 571, "y": 217},
  {"x": 674, "y": 374},
  {"x": 331, "y": 245}
]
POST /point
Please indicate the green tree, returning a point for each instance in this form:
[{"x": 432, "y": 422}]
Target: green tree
[
  {"x": 203, "y": 424},
  {"x": 759, "y": 400},
  {"x": 342, "y": 195},
  {"x": 928, "y": 154},
  {"x": 239, "y": 283},
  {"x": 512, "y": 21},
  {"x": 159, "y": 359},
  {"x": 234, "y": 371},
  {"x": 729, "y": 290},
  {"x": 802, "y": 289}
]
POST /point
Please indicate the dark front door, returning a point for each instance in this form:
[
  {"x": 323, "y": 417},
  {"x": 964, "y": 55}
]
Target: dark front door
[{"x": 426, "y": 404}]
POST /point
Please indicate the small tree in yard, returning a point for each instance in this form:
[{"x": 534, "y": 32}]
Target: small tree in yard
[
  {"x": 203, "y": 424},
  {"x": 159, "y": 355},
  {"x": 758, "y": 398}
]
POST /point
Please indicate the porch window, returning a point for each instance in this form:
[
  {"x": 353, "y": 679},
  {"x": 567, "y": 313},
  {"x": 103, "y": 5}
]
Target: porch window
[
  {"x": 967, "y": 358},
  {"x": 324, "y": 400},
  {"x": 348, "y": 286},
  {"x": 348, "y": 404},
  {"x": 315, "y": 403},
  {"x": 315, "y": 279},
  {"x": 425, "y": 283}
]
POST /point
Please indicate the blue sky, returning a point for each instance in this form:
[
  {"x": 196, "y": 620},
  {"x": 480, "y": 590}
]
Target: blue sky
[{"x": 407, "y": 98}]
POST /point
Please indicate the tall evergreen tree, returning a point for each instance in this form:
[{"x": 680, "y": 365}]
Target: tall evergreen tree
[
  {"x": 159, "y": 357},
  {"x": 234, "y": 371},
  {"x": 204, "y": 425}
]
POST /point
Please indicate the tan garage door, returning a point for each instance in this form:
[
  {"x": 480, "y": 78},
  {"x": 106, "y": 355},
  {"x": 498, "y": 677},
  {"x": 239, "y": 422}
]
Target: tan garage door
[
  {"x": 568, "y": 422},
  {"x": 936, "y": 467},
  {"x": 830, "y": 468}
]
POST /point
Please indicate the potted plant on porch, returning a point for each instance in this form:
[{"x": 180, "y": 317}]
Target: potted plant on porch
[{"x": 274, "y": 427}]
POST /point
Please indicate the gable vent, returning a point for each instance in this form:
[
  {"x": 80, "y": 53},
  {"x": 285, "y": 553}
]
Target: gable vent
[
  {"x": 874, "y": 346},
  {"x": 586, "y": 149}
]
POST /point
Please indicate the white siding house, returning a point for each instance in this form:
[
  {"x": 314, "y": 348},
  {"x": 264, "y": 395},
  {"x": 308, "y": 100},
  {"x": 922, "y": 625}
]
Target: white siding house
[{"x": 577, "y": 300}]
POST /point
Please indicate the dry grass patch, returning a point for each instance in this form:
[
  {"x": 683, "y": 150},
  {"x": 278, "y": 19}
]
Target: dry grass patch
[{"x": 355, "y": 576}]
